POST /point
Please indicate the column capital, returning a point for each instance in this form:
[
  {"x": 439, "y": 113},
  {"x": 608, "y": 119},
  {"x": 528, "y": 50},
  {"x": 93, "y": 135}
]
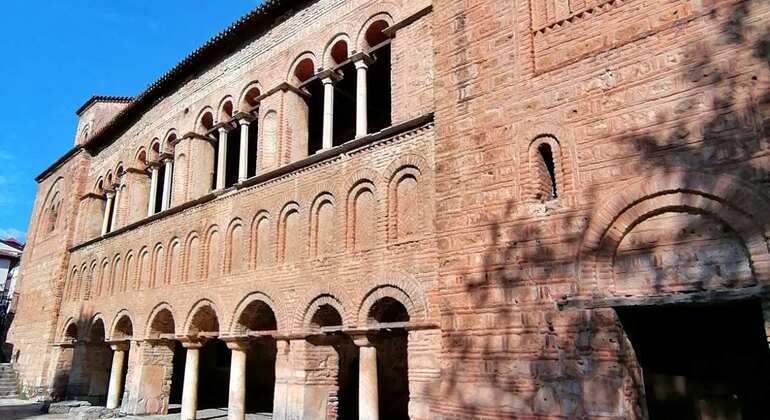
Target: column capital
[
  {"x": 244, "y": 118},
  {"x": 122, "y": 345},
  {"x": 195, "y": 136},
  {"x": 152, "y": 164},
  {"x": 109, "y": 194},
  {"x": 361, "y": 60},
  {"x": 329, "y": 76},
  {"x": 362, "y": 341},
  {"x": 237, "y": 343},
  {"x": 165, "y": 157},
  {"x": 192, "y": 342}
]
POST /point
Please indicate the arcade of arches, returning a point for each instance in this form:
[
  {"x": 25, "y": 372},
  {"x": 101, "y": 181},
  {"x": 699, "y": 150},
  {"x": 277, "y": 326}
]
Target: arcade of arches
[{"x": 326, "y": 370}]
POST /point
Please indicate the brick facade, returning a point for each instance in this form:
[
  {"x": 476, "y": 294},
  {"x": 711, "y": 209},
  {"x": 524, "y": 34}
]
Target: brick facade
[{"x": 548, "y": 165}]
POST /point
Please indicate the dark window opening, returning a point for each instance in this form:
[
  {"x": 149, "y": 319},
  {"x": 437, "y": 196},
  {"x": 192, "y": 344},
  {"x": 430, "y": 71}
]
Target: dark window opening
[
  {"x": 231, "y": 161},
  {"x": 378, "y": 90},
  {"x": 326, "y": 316},
  {"x": 345, "y": 106},
  {"x": 251, "y": 166},
  {"x": 215, "y": 172},
  {"x": 159, "y": 188},
  {"x": 315, "y": 108},
  {"x": 549, "y": 169},
  {"x": 109, "y": 213},
  {"x": 702, "y": 361}
]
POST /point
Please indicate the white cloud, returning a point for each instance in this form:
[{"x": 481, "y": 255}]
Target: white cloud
[{"x": 12, "y": 233}]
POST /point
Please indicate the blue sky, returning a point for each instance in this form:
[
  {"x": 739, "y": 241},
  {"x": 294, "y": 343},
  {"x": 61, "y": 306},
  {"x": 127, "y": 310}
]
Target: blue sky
[{"x": 56, "y": 54}]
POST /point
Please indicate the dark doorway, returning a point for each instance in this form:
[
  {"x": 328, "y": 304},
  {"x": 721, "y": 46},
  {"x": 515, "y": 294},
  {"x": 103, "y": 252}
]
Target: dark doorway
[
  {"x": 98, "y": 364},
  {"x": 260, "y": 374},
  {"x": 177, "y": 374},
  {"x": 214, "y": 375},
  {"x": 702, "y": 361},
  {"x": 392, "y": 362}
]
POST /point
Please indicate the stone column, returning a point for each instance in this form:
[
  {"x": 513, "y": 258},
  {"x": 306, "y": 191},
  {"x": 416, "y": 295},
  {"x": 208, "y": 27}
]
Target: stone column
[
  {"x": 153, "y": 188},
  {"x": 236, "y": 402},
  {"x": 362, "y": 122},
  {"x": 243, "y": 157},
  {"x": 107, "y": 211},
  {"x": 116, "y": 205},
  {"x": 116, "y": 374},
  {"x": 368, "y": 406},
  {"x": 190, "y": 388},
  {"x": 222, "y": 158},
  {"x": 169, "y": 172},
  {"x": 328, "y": 78}
]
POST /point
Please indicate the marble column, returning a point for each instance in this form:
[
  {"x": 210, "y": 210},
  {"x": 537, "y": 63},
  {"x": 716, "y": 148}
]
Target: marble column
[
  {"x": 328, "y": 124},
  {"x": 153, "y": 189},
  {"x": 236, "y": 402},
  {"x": 243, "y": 156},
  {"x": 169, "y": 173},
  {"x": 116, "y": 205},
  {"x": 190, "y": 387},
  {"x": 368, "y": 406},
  {"x": 362, "y": 122},
  {"x": 116, "y": 374},
  {"x": 107, "y": 212},
  {"x": 222, "y": 158}
]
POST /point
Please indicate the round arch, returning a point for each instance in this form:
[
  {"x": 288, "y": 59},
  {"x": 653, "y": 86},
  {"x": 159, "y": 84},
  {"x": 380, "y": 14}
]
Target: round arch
[
  {"x": 122, "y": 326},
  {"x": 203, "y": 317},
  {"x": 161, "y": 321},
  {"x": 255, "y": 312}
]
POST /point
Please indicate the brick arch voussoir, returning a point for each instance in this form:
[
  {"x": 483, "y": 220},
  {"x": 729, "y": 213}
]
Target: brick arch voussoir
[
  {"x": 410, "y": 160},
  {"x": 271, "y": 297},
  {"x": 99, "y": 316},
  {"x": 116, "y": 319},
  {"x": 673, "y": 191},
  {"x": 317, "y": 296},
  {"x": 154, "y": 313},
  {"x": 384, "y": 10},
  {"x": 199, "y": 304},
  {"x": 360, "y": 176},
  {"x": 400, "y": 286}
]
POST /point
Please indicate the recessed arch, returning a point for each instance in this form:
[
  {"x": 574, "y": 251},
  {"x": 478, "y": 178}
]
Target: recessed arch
[
  {"x": 256, "y": 312},
  {"x": 97, "y": 329},
  {"x": 371, "y": 34},
  {"x": 225, "y": 110},
  {"x": 302, "y": 69},
  {"x": 123, "y": 326},
  {"x": 247, "y": 101},
  {"x": 160, "y": 322},
  {"x": 202, "y": 318},
  {"x": 323, "y": 311},
  {"x": 205, "y": 121},
  {"x": 70, "y": 330},
  {"x": 336, "y": 51}
]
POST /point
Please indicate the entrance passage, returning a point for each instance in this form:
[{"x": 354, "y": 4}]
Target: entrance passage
[
  {"x": 177, "y": 377},
  {"x": 214, "y": 379},
  {"x": 260, "y": 375},
  {"x": 702, "y": 361}
]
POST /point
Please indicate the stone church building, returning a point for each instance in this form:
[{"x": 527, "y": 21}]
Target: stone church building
[{"x": 419, "y": 209}]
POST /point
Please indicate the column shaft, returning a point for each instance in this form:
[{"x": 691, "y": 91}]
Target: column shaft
[
  {"x": 362, "y": 122},
  {"x": 190, "y": 389},
  {"x": 153, "y": 190},
  {"x": 236, "y": 403},
  {"x": 167, "y": 185},
  {"x": 368, "y": 407},
  {"x": 222, "y": 158},
  {"x": 116, "y": 378},
  {"x": 115, "y": 208},
  {"x": 328, "y": 127},
  {"x": 243, "y": 157},
  {"x": 107, "y": 211}
]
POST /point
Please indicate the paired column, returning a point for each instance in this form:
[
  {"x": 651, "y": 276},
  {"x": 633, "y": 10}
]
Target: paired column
[
  {"x": 243, "y": 157},
  {"x": 107, "y": 212},
  {"x": 236, "y": 402},
  {"x": 368, "y": 394},
  {"x": 168, "y": 174},
  {"x": 222, "y": 158},
  {"x": 153, "y": 188},
  {"x": 190, "y": 387},
  {"x": 362, "y": 110},
  {"x": 116, "y": 374}
]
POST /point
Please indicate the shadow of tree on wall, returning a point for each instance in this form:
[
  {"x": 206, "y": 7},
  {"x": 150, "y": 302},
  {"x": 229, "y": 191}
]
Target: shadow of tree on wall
[{"x": 577, "y": 362}]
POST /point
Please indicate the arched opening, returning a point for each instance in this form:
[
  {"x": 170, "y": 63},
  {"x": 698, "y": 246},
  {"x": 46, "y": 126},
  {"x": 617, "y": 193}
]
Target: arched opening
[
  {"x": 344, "y": 128},
  {"x": 157, "y": 199},
  {"x": 303, "y": 77},
  {"x": 64, "y": 361},
  {"x": 124, "y": 330},
  {"x": 251, "y": 106},
  {"x": 334, "y": 346},
  {"x": 229, "y": 134},
  {"x": 391, "y": 343},
  {"x": 547, "y": 173},
  {"x": 162, "y": 327},
  {"x": 378, "y": 77},
  {"x": 214, "y": 360},
  {"x": 97, "y": 360},
  {"x": 260, "y": 357}
]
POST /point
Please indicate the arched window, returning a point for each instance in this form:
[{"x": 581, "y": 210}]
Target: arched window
[
  {"x": 545, "y": 169},
  {"x": 53, "y": 212},
  {"x": 377, "y": 45}
]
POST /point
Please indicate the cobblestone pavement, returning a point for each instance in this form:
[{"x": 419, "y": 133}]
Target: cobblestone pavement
[
  {"x": 11, "y": 409},
  {"x": 207, "y": 414}
]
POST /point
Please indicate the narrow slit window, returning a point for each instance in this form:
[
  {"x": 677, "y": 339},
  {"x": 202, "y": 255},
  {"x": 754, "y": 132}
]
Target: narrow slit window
[{"x": 548, "y": 192}]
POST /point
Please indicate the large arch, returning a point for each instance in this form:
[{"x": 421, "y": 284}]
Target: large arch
[
  {"x": 725, "y": 199},
  {"x": 122, "y": 326},
  {"x": 160, "y": 322},
  {"x": 256, "y": 312},
  {"x": 202, "y": 318}
]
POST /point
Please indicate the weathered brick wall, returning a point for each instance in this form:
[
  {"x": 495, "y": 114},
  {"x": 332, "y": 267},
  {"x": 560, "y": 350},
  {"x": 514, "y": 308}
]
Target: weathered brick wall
[{"x": 659, "y": 108}]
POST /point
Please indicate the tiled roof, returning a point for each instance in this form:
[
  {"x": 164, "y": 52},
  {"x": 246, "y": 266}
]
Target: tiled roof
[
  {"x": 249, "y": 25},
  {"x": 103, "y": 98}
]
